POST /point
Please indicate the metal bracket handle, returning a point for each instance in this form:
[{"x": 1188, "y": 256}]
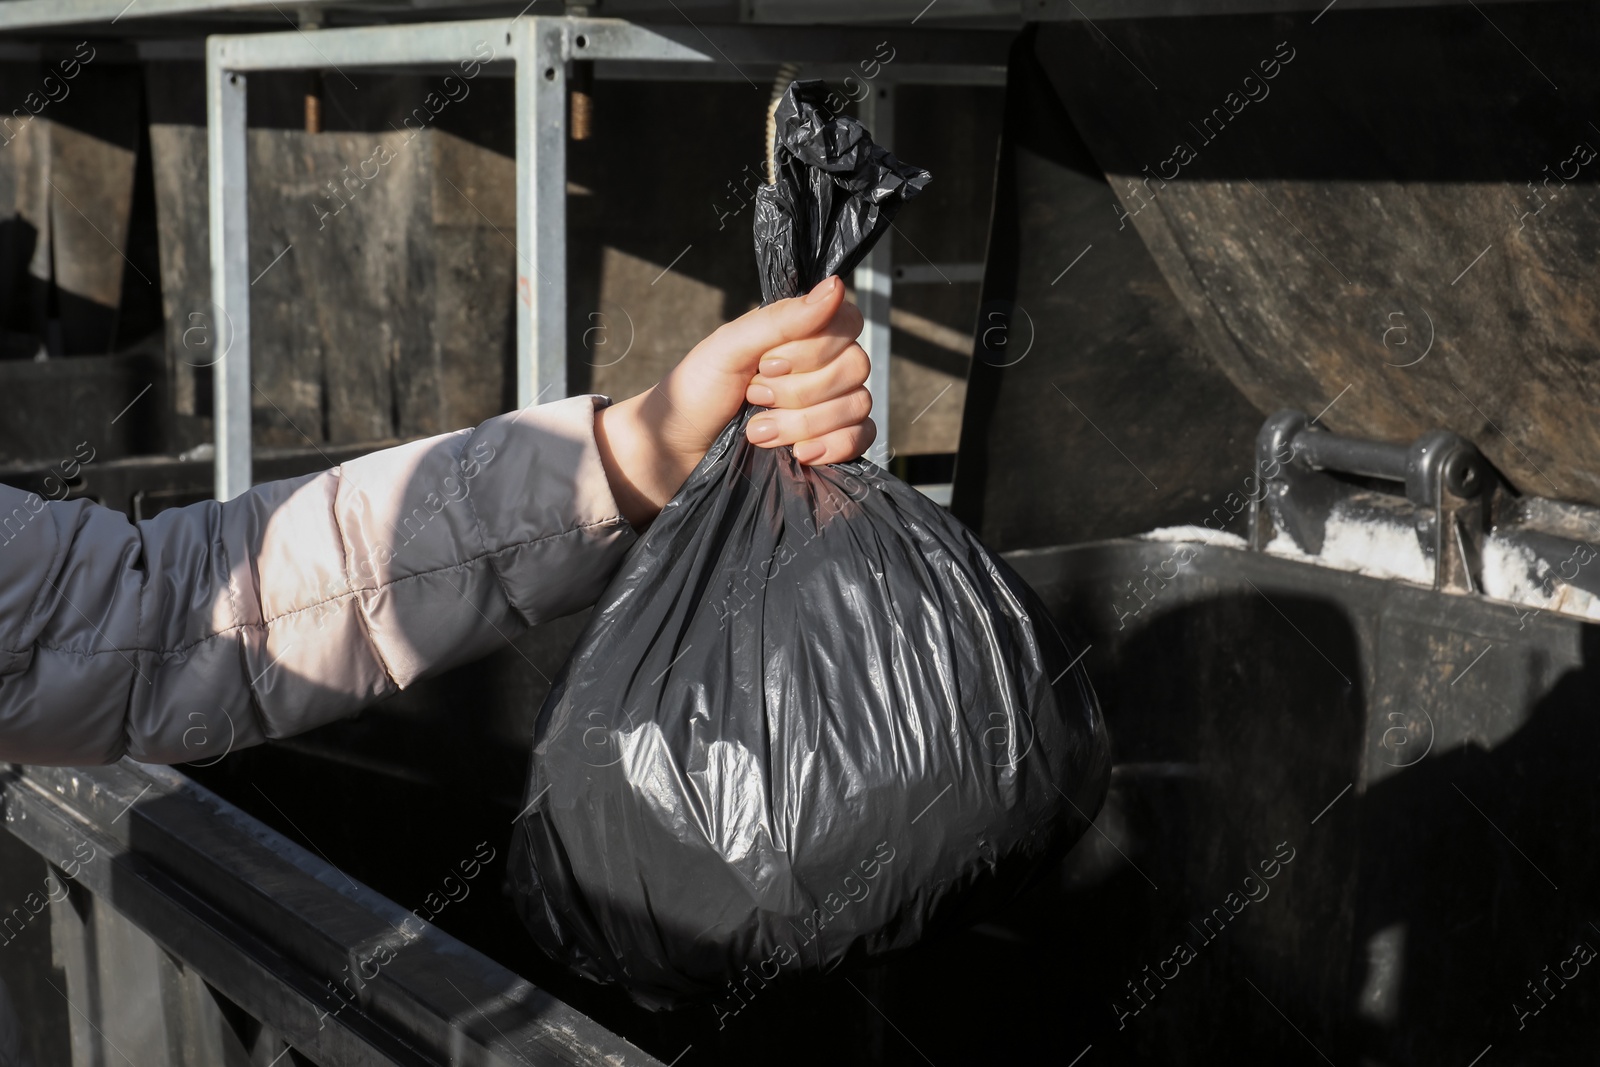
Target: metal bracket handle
[{"x": 1445, "y": 477}]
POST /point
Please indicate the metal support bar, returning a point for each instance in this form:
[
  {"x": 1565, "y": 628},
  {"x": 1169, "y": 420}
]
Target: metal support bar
[
  {"x": 932, "y": 52},
  {"x": 541, "y": 117},
  {"x": 1352, "y": 455},
  {"x": 1449, "y": 487},
  {"x": 230, "y": 283},
  {"x": 875, "y": 284},
  {"x": 765, "y": 73},
  {"x": 414, "y": 44}
]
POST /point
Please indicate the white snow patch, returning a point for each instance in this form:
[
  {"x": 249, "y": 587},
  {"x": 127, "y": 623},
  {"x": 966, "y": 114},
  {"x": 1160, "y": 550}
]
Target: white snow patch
[
  {"x": 1512, "y": 572},
  {"x": 1283, "y": 546},
  {"x": 1377, "y": 548},
  {"x": 1508, "y": 573},
  {"x": 1367, "y": 546},
  {"x": 1197, "y": 534},
  {"x": 1380, "y": 549}
]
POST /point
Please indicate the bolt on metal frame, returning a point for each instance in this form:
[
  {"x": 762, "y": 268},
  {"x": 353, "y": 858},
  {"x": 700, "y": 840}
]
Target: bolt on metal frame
[{"x": 539, "y": 48}]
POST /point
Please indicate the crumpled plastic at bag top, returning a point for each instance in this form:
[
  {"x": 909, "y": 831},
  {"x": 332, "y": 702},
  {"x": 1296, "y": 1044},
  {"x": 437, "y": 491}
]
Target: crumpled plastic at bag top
[
  {"x": 812, "y": 720},
  {"x": 835, "y": 193}
]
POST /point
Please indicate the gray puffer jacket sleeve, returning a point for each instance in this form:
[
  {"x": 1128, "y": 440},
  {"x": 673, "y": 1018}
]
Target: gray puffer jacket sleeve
[{"x": 222, "y": 625}]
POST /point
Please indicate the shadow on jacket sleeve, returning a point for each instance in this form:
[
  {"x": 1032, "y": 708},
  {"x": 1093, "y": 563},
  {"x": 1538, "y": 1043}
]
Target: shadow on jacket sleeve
[{"x": 299, "y": 602}]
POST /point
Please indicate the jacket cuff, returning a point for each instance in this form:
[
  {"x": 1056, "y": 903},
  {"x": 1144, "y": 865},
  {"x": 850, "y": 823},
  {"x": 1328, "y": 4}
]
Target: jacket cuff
[{"x": 555, "y": 533}]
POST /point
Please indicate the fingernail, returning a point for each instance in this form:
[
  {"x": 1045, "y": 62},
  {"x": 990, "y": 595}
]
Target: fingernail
[
  {"x": 761, "y": 394},
  {"x": 762, "y": 430},
  {"x": 776, "y": 367},
  {"x": 807, "y": 451},
  {"x": 823, "y": 289}
]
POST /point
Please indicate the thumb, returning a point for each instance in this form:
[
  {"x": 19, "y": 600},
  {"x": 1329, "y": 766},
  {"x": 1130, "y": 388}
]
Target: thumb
[{"x": 745, "y": 340}]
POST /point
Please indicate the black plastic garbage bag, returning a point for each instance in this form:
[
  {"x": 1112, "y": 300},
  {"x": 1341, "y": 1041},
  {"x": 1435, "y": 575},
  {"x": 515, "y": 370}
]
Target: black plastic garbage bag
[{"x": 813, "y": 719}]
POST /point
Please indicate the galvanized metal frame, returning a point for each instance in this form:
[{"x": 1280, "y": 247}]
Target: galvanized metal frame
[
  {"x": 875, "y": 281},
  {"x": 36, "y": 14},
  {"x": 539, "y": 48}
]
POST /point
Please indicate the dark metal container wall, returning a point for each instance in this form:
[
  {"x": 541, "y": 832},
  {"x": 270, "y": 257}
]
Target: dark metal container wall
[
  {"x": 1426, "y": 757},
  {"x": 1364, "y": 807}
]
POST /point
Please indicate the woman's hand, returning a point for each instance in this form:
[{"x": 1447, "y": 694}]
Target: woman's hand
[{"x": 812, "y": 374}]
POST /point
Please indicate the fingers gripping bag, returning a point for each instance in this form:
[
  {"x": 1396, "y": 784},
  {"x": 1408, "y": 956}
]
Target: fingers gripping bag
[{"x": 812, "y": 720}]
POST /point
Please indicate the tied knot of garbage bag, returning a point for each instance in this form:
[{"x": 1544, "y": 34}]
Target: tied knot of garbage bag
[
  {"x": 833, "y": 194},
  {"x": 812, "y": 720}
]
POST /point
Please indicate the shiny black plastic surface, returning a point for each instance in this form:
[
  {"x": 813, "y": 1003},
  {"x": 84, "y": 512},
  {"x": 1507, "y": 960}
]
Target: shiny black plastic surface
[{"x": 813, "y": 719}]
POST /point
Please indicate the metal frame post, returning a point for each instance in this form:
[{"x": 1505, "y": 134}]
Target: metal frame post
[
  {"x": 874, "y": 279},
  {"x": 230, "y": 283},
  {"x": 541, "y": 117}
]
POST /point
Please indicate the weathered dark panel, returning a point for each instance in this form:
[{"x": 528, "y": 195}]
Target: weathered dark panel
[
  {"x": 472, "y": 373},
  {"x": 1406, "y": 182},
  {"x": 61, "y": 410},
  {"x": 954, "y": 132},
  {"x": 69, "y": 149},
  {"x": 1092, "y": 409},
  {"x": 332, "y": 306},
  {"x": 380, "y": 302},
  {"x": 21, "y": 290},
  {"x": 178, "y": 158},
  {"x": 657, "y": 184},
  {"x": 94, "y": 144}
]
